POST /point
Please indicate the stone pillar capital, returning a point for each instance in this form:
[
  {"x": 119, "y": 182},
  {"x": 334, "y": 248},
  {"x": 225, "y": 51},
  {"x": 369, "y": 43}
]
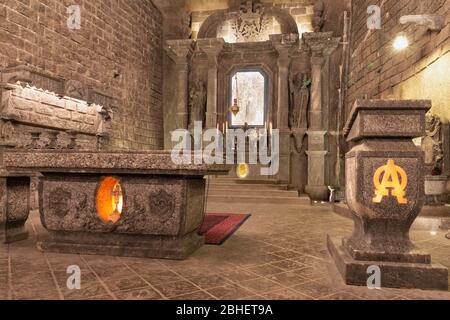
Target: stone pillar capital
[
  {"x": 321, "y": 44},
  {"x": 179, "y": 51},
  {"x": 212, "y": 47},
  {"x": 284, "y": 45}
]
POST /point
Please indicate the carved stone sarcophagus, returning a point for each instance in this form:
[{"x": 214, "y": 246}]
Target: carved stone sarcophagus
[{"x": 130, "y": 204}]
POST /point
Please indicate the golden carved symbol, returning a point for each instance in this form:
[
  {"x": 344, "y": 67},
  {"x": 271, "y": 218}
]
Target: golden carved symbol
[{"x": 394, "y": 183}]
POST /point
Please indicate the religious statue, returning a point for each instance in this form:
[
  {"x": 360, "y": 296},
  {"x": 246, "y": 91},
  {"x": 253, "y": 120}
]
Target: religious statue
[
  {"x": 432, "y": 144},
  {"x": 318, "y": 19},
  {"x": 299, "y": 100},
  {"x": 197, "y": 103}
]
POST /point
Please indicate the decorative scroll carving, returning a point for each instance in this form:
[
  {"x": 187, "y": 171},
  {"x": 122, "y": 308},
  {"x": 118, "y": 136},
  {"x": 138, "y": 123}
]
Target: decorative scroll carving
[
  {"x": 251, "y": 24},
  {"x": 59, "y": 202},
  {"x": 162, "y": 205}
]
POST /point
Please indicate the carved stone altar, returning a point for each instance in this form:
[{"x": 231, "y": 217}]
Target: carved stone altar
[{"x": 158, "y": 206}]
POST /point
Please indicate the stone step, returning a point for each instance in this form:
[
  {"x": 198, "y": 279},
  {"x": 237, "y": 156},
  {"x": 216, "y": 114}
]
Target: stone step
[
  {"x": 251, "y": 191},
  {"x": 232, "y": 184},
  {"x": 226, "y": 180},
  {"x": 260, "y": 199}
]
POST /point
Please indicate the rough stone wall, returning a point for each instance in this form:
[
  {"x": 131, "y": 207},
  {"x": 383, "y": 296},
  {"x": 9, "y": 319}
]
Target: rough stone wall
[
  {"x": 117, "y": 51},
  {"x": 421, "y": 71}
]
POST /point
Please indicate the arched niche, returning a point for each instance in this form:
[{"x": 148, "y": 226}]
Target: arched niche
[
  {"x": 210, "y": 27},
  {"x": 226, "y": 78}
]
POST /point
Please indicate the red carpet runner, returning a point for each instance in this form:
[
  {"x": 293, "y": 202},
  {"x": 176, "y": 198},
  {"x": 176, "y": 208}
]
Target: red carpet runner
[{"x": 218, "y": 227}]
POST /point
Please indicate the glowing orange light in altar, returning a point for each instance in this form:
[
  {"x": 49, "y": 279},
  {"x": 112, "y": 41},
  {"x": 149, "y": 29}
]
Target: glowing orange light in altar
[
  {"x": 393, "y": 183},
  {"x": 109, "y": 200}
]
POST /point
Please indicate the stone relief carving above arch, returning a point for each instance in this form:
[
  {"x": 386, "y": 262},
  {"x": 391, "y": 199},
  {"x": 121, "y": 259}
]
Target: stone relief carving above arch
[{"x": 251, "y": 22}]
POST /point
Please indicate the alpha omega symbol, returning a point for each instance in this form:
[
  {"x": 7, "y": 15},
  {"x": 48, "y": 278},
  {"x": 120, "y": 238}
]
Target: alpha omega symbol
[{"x": 390, "y": 180}]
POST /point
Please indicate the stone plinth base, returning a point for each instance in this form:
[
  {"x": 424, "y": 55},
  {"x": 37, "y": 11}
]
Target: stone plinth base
[
  {"x": 317, "y": 193},
  {"x": 13, "y": 233},
  {"x": 157, "y": 247},
  {"x": 393, "y": 274}
]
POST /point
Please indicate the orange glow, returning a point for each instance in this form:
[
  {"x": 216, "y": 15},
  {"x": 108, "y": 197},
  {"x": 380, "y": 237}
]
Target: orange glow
[{"x": 109, "y": 200}]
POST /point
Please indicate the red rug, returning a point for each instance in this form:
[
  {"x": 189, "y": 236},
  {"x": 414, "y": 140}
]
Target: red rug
[{"x": 218, "y": 227}]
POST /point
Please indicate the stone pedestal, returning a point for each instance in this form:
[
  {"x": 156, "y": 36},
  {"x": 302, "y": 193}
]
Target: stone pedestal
[
  {"x": 14, "y": 207},
  {"x": 385, "y": 192},
  {"x": 126, "y": 204}
]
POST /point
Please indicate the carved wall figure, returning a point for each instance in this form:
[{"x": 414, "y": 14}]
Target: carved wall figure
[
  {"x": 197, "y": 102},
  {"x": 432, "y": 143},
  {"x": 318, "y": 19},
  {"x": 299, "y": 100}
]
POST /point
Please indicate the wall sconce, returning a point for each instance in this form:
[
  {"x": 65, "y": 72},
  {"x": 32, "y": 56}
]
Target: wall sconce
[
  {"x": 401, "y": 42},
  {"x": 432, "y": 22}
]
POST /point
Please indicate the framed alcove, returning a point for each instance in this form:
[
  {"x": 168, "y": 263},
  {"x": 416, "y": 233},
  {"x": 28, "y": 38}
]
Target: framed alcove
[
  {"x": 249, "y": 86},
  {"x": 263, "y": 75}
]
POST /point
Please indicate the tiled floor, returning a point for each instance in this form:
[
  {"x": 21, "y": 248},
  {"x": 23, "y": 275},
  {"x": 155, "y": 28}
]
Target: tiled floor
[{"x": 279, "y": 253}]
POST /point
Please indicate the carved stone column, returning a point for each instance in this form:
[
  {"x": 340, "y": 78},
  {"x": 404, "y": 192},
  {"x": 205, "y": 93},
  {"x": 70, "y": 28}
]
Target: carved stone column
[
  {"x": 212, "y": 48},
  {"x": 321, "y": 45},
  {"x": 284, "y": 61},
  {"x": 180, "y": 51}
]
